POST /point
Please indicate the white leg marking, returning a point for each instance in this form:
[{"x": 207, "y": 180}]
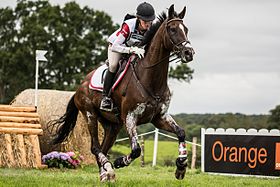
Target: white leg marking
[{"x": 165, "y": 106}]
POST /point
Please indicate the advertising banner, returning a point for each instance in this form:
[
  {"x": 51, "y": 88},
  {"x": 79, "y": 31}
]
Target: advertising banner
[{"x": 241, "y": 152}]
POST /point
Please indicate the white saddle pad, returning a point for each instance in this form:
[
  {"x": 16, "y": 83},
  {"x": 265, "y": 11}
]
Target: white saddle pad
[{"x": 97, "y": 79}]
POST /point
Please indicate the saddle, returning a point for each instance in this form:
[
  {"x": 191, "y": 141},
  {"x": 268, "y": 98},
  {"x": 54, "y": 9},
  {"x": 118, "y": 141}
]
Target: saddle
[{"x": 97, "y": 79}]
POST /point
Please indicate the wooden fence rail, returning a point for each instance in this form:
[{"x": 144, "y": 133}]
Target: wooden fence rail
[{"x": 19, "y": 130}]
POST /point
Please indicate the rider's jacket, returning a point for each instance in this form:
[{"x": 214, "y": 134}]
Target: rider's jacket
[{"x": 127, "y": 36}]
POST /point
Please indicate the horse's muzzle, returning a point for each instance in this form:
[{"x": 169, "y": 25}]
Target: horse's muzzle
[
  {"x": 187, "y": 54},
  {"x": 185, "y": 51}
]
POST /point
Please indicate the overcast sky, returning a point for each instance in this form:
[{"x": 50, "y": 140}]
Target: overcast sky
[{"x": 237, "y": 61}]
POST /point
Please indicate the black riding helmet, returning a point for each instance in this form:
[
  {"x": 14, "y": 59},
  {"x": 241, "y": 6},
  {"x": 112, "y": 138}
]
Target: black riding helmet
[{"x": 145, "y": 11}]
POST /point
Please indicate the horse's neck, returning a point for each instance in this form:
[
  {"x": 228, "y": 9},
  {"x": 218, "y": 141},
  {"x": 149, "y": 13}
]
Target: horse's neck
[{"x": 155, "y": 78}]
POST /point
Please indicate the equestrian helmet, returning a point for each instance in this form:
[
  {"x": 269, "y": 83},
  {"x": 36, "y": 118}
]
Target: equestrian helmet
[{"x": 145, "y": 11}]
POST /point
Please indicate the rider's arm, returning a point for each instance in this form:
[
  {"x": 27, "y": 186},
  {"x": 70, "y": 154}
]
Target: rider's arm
[{"x": 118, "y": 45}]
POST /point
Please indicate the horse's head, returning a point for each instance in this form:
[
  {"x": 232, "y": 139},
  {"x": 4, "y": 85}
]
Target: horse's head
[{"x": 176, "y": 35}]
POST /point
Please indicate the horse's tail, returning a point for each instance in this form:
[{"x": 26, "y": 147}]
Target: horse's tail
[{"x": 66, "y": 122}]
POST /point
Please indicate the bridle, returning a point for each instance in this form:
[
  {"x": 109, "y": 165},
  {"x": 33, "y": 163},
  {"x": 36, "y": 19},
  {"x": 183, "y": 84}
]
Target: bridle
[{"x": 176, "y": 47}]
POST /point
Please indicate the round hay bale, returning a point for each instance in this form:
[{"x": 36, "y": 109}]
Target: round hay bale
[{"x": 52, "y": 105}]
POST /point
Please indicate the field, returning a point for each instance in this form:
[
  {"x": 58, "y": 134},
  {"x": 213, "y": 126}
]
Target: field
[
  {"x": 133, "y": 175},
  {"x": 130, "y": 176}
]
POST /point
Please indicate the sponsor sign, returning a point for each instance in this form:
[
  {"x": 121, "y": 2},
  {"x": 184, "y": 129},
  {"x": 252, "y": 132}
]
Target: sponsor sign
[{"x": 241, "y": 152}]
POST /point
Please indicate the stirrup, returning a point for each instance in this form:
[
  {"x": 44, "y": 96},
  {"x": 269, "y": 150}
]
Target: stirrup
[{"x": 106, "y": 104}]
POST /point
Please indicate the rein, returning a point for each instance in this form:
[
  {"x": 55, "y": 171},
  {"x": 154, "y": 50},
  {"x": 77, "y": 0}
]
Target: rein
[
  {"x": 143, "y": 90},
  {"x": 159, "y": 62}
]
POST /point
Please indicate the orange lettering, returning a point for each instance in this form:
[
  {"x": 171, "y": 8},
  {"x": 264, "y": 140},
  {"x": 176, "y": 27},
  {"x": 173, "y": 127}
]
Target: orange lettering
[
  {"x": 213, "y": 151},
  {"x": 254, "y": 160},
  {"x": 225, "y": 154},
  {"x": 233, "y": 155},
  {"x": 245, "y": 154},
  {"x": 264, "y": 154},
  {"x": 241, "y": 154}
]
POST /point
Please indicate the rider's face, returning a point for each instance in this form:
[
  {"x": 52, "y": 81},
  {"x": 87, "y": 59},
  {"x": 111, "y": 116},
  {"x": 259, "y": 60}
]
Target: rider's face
[{"x": 145, "y": 24}]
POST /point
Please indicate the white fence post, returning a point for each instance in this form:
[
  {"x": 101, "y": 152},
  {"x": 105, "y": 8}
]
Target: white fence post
[
  {"x": 155, "y": 148},
  {"x": 202, "y": 148}
]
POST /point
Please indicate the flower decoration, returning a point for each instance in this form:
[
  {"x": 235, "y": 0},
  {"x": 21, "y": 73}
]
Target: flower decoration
[{"x": 63, "y": 160}]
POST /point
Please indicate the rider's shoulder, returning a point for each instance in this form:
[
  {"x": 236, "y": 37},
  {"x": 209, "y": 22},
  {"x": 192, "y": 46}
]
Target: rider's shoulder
[{"x": 131, "y": 21}]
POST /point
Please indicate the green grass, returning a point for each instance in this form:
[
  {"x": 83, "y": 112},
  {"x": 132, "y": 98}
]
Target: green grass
[
  {"x": 133, "y": 175},
  {"x": 130, "y": 176}
]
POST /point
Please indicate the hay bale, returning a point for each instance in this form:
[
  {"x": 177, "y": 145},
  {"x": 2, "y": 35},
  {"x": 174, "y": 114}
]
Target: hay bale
[{"x": 52, "y": 105}]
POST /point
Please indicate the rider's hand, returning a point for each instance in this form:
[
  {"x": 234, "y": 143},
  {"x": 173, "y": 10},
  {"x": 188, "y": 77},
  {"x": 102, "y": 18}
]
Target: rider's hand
[{"x": 138, "y": 51}]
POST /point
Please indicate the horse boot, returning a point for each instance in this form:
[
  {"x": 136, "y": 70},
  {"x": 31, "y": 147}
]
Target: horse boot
[{"x": 106, "y": 102}]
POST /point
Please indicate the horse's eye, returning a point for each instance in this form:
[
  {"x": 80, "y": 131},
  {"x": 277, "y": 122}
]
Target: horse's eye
[{"x": 172, "y": 30}]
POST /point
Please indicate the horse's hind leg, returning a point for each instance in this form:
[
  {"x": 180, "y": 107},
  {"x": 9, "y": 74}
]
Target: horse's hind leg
[
  {"x": 166, "y": 122},
  {"x": 105, "y": 166}
]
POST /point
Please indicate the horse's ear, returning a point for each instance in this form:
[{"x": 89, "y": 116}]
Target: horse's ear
[
  {"x": 182, "y": 14},
  {"x": 171, "y": 11}
]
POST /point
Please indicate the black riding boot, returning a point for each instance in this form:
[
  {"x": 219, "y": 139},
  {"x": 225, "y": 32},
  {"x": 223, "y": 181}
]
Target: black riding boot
[{"x": 106, "y": 102}]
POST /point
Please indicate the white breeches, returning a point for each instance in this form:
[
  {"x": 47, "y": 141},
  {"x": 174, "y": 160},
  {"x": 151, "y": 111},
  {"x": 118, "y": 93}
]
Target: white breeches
[{"x": 114, "y": 58}]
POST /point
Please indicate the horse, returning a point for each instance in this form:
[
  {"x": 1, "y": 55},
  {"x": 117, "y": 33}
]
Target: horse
[{"x": 143, "y": 96}]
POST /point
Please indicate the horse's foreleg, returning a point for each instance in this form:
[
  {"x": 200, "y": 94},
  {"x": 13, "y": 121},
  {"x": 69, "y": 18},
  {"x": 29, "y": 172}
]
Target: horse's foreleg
[
  {"x": 166, "y": 122},
  {"x": 105, "y": 166},
  {"x": 135, "y": 147}
]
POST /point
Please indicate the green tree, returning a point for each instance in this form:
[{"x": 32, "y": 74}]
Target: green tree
[
  {"x": 274, "y": 118},
  {"x": 7, "y": 33},
  {"x": 73, "y": 36},
  {"x": 181, "y": 72}
]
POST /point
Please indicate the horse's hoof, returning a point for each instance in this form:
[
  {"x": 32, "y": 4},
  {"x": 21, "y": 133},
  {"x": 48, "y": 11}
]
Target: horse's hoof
[
  {"x": 110, "y": 173},
  {"x": 180, "y": 174},
  {"x": 103, "y": 177},
  {"x": 120, "y": 162},
  {"x": 181, "y": 164},
  {"x": 107, "y": 174}
]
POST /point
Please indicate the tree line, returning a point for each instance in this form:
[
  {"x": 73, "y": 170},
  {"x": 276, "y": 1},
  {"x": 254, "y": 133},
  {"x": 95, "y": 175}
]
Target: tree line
[{"x": 74, "y": 36}]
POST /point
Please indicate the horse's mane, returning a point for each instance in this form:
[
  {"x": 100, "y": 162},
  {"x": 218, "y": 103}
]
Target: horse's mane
[{"x": 152, "y": 31}]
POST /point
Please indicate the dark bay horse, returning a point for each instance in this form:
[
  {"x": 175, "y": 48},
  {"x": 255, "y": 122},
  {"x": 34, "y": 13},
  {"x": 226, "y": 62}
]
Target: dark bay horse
[{"x": 143, "y": 96}]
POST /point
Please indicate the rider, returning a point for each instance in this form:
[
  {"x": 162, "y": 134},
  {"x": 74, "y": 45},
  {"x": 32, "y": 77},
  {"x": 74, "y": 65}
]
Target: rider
[{"x": 124, "y": 40}]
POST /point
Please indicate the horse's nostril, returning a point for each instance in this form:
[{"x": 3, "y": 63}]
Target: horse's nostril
[{"x": 189, "y": 51}]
